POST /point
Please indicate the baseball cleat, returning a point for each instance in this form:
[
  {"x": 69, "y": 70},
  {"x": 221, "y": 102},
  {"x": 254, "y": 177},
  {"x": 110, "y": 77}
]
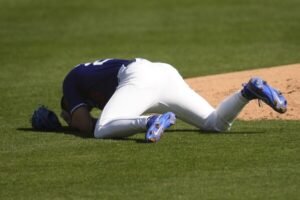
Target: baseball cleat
[
  {"x": 157, "y": 125},
  {"x": 257, "y": 88}
]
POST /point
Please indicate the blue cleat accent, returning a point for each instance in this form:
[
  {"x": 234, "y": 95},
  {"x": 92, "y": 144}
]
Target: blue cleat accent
[
  {"x": 157, "y": 125},
  {"x": 257, "y": 88}
]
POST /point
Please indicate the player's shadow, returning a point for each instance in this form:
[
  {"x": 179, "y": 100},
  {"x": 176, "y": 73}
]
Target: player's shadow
[
  {"x": 69, "y": 131},
  {"x": 64, "y": 130},
  {"x": 214, "y": 132}
]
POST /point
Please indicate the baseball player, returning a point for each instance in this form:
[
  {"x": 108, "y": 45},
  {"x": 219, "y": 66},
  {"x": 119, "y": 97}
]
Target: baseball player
[{"x": 126, "y": 90}]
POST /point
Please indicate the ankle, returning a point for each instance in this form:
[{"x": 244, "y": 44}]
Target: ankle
[
  {"x": 151, "y": 120},
  {"x": 247, "y": 94}
]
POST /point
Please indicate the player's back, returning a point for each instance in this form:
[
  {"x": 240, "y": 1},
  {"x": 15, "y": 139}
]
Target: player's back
[{"x": 95, "y": 81}]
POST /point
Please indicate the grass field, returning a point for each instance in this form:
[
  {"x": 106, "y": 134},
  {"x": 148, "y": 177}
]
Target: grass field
[{"x": 41, "y": 40}]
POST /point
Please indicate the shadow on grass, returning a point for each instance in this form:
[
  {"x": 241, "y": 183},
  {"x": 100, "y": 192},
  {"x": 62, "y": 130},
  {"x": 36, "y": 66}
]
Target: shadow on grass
[
  {"x": 64, "y": 130},
  {"x": 213, "y": 132},
  {"x": 69, "y": 131}
]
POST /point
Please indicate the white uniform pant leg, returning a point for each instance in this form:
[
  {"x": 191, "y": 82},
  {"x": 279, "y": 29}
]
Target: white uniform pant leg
[
  {"x": 121, "y": 117},
  {"x": 183, "y": 101},
  {"x": 158, "y": 87},
  {"x": 194, "y": 109},
  {"x": 225, "y": 114}
]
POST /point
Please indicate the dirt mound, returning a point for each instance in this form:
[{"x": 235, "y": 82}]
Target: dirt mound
[{"x": 286, "y": 78}]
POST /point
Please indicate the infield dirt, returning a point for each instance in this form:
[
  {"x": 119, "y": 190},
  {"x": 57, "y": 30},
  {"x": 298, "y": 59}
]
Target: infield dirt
[{"x": 285, "y": 78}]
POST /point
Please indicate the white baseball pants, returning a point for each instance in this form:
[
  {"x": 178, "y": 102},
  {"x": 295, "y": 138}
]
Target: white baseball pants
[{"x": 149, "y": 87}]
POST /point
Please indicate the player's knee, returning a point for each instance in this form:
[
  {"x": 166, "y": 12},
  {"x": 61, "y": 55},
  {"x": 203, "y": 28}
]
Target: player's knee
[
  {"x": 223, "y": 128},
  {"x": 215, "y": 123},
  {"x": 99, "y": 132},
  {"x": 217, "y": 129}
]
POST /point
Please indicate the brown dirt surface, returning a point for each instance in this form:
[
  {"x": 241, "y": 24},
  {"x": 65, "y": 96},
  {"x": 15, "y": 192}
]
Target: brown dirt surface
[{"x": 285, "y": 78}]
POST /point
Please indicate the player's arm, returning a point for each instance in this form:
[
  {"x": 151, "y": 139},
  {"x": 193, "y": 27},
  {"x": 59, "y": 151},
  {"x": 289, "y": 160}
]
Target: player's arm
[
  {"x": 74, "y": 108},
  {"x": 82, "y": 120}
]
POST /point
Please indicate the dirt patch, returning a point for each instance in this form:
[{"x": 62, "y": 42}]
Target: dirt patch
[{"x": 285, "y": 78}]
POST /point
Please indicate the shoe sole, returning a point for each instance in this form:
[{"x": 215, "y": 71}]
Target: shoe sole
[{"x": 160, "y": 125}]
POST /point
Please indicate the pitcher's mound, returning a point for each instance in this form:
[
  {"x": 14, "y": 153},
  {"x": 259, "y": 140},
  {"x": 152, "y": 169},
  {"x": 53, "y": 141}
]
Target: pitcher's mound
[{"x": 285, "y": 78}]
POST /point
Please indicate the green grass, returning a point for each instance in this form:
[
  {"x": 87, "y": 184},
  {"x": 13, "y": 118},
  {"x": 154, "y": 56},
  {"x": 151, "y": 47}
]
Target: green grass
[
  {"x": 252, "y": 162},
  {"x": 41, "y": 40}
]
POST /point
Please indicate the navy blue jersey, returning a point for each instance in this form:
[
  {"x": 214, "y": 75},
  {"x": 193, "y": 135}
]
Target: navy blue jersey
[{"x": 92, "y": 84}]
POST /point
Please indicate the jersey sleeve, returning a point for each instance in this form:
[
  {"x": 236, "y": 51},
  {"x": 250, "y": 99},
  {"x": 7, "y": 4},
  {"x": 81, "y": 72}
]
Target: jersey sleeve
[{"x": 71, "y": 93}]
